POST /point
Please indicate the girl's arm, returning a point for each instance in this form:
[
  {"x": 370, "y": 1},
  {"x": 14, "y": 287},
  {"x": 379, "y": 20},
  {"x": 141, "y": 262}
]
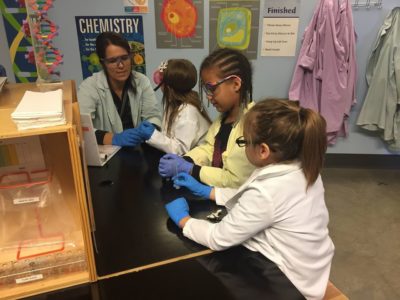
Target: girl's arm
[
  {"x": 236, "y": 167},
  {"x": 234, "y": 173},
  {"x": 222, "y": 195},
  {"x": 253, "y": 212},
  {"x": 188, "y": 129},
  {"x": 202, "y": 154}
]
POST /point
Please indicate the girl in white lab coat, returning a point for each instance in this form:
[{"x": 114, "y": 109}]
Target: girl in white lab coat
[
  {"x": 185, "y": 121},
  {"x": 280, "y": 210}
]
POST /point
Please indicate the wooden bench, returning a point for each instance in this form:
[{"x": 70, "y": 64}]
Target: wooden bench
[{"x": 332, "y": 293}]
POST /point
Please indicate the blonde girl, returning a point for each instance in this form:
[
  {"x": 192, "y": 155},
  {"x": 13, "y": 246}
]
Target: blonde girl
[{"x": 280, "y": 210}]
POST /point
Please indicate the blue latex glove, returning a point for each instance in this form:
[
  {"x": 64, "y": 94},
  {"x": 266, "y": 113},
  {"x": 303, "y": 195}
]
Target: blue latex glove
[
  {"x": 128, "y": 137},
  {"x": 198, "y": 189},
  {"x": 146, "y": 130},
  {"x": 177, "y": 209},
  {"x": 172, "y": 164}
]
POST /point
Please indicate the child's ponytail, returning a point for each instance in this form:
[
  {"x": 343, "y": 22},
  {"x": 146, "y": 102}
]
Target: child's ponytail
[
  {"x": 178, "y": 80},
  {"x": 291, "y": 133},
  {"x": 314, "y": 143}
]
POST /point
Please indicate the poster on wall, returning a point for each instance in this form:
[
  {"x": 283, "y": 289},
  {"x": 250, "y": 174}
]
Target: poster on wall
[
  {"x": 179, "y": 23},
  {"x": 234, "y": 24},
  {"x": 89, "y": 27},
  {"x": 19, "y": 44},
  {"x": 280, "y": 27},
  {"x": 136, "y": 6}
]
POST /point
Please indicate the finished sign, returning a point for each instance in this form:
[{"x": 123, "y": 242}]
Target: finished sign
[{"x": 280, "y": 27}]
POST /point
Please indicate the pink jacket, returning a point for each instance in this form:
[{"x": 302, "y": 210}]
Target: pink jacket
[{"x": 325, "y": 74}]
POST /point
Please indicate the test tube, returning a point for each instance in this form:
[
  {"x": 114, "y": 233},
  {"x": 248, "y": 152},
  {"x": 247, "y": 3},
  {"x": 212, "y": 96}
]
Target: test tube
[{"x": 176, "y": 173}]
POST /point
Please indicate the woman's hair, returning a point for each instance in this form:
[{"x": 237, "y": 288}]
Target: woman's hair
[
  {"x": 290, "y": 131},
  {"x": 232, "y": 62},
  {"x": 179, "y": 78},
  {"x": 107, "y": 38}
]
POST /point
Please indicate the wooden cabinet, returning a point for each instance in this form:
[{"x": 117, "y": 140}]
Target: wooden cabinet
[{"x": 45, "y": 236}]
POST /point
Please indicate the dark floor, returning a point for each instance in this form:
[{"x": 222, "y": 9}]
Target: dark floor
[{"x": 364, "y": 207}]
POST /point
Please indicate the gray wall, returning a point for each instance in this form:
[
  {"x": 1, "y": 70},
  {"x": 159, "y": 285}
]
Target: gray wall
[{"x": 272, "y": 76}]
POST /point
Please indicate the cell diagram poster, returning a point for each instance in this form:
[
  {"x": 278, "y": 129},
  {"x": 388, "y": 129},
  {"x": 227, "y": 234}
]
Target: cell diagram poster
[
  {"x": 234, "y": 24},
  {"x": 179, "y": 23},
  {"x": 89, "y": 27},
  {"x": 280, "y": 27}
]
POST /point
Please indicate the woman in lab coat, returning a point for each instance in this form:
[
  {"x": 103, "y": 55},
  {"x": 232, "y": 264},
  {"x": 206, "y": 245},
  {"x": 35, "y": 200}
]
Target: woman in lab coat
[{"x": 117, "y": 98}]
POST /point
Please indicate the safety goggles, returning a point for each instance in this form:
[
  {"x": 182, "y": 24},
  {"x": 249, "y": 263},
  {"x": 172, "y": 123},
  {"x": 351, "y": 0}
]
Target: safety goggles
[
  {"x": 209, "y": 87},
  {"x": 115, "y": 61}
]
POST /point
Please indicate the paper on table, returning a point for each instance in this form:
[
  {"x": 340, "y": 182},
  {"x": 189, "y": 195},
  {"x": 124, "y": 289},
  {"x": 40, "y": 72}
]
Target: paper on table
[{"x": 39, "y": 104}]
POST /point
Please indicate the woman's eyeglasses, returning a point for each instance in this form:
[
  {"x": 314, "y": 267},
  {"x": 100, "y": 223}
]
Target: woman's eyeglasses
[
  {"x": 209, "y": 88},
  {"x": 115, "y": 61}
]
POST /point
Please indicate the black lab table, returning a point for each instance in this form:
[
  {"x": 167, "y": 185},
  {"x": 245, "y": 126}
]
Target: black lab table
[{"x": 141, "y": 254}]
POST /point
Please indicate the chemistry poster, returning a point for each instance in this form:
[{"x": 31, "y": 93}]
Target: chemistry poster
[
  {"x": 234, "y": 24},
  {"x": 89, "y": 27},
  {"x": 179, "y": 23},
  {"x": 280, "y": 27}
]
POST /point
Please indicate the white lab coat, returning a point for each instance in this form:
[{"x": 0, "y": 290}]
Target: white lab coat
[
  {"x": 188, "y": 130},
  {"x": 273, "y": 213}
]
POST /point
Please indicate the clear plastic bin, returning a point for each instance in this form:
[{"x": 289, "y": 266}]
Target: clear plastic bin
[
  {"x": 24, "y": 189},
  {"x": 39, "y": 236}
]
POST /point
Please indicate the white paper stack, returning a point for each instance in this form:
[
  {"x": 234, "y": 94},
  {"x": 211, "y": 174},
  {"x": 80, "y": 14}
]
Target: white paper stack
[{"x": 39, "y": 109}]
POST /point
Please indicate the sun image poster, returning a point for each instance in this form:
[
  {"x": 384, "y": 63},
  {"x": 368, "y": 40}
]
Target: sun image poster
[
  {"x": 234, "y": 24},
  {"x": 89, "y": 27},
  {"x": 179, "y": 23},
  {"x": 20, "y": 45}
]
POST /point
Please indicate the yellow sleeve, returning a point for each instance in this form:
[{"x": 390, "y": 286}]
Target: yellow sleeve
[
  {"x": 203, "y": 153},
  {"x": 236, "y": 168}
]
